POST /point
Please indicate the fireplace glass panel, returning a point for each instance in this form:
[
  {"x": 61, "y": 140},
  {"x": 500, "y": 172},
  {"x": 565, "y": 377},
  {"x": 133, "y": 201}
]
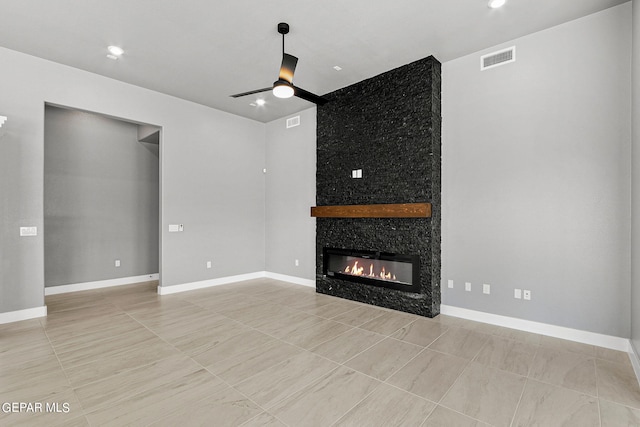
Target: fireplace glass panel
[{"x": 395, "y": 271}]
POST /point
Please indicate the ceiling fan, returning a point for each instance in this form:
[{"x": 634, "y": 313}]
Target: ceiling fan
[{"x": 283, "y": 87}]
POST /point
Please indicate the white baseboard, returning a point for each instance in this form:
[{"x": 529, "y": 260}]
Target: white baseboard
[
  {"x": 87, "y": 286},
  {"x": 18, "y": 315},
  {"x": 291, "y": 279},
  {"x": 585, "y": 337},
  {"x": 167, "y": 290},
  {"x": 635, "y": 360}
]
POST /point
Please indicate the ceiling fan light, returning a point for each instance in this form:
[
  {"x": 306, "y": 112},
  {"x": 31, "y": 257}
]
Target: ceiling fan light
[
  {"x": 282, "y": 89},
  {"x": 494, "y": 4}
]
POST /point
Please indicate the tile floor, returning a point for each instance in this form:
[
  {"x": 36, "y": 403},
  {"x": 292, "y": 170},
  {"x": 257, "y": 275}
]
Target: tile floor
[{"x": 268, "y": 353}]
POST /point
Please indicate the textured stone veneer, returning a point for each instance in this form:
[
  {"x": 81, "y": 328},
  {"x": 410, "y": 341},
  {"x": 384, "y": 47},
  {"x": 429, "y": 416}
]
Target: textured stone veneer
[{"x": 388, "y": 126}]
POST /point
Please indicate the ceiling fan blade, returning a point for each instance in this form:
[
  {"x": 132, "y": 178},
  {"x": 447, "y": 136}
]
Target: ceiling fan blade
[
  {"x": 288, "y": 67},
  {"x": 251, "y": 92},
  {"x": 308, "y": 96}
]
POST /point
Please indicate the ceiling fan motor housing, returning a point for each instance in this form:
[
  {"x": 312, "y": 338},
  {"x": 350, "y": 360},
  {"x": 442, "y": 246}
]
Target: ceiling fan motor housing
[{"x": 283, "y": 28}]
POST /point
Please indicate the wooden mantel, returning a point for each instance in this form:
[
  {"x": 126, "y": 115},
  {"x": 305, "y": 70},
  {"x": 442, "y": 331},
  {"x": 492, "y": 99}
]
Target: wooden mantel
[{"x": 401, "y": 210}]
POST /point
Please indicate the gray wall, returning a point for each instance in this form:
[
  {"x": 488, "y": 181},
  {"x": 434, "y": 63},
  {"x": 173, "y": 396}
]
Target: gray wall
[
  {"x": 220, "y": 203},
  {"x": 100, "y": 199},
  {"x": 536, "y": 177},
  {"x": 290, "y": 193},
  {"x": 635, "y": 209}
]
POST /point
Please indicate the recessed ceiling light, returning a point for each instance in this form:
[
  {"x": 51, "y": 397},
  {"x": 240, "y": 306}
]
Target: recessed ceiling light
[
  {"x": 260, "y": 101},
  {"x": 115, "y": 50},
  {"x": 494, "y": 4},
  {"x": 253, "y": 104},
  {"x": 337, "y": 68}
]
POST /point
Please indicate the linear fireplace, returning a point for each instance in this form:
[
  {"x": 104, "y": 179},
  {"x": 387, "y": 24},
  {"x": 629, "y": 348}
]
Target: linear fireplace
[{"x": 388, "y": 270}]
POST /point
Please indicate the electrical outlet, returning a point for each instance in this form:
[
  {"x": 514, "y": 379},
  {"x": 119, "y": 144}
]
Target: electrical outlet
[
  {"x": 517, "y": 293},
  {"x": 297, "y": 263},
  {"x": 450, "y": 284},
  {"x": 486, "y": 289},
  {"x": 117, "y": 263},
  {"x": 208, "y": 264},
  {"x": 467, "y": 286},
  {"x": 527, "y": 294}
]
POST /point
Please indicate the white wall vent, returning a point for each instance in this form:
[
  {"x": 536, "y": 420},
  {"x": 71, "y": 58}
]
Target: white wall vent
[
  {"x": 293, "y": 121},
  {"x": 500, "y": 57}
]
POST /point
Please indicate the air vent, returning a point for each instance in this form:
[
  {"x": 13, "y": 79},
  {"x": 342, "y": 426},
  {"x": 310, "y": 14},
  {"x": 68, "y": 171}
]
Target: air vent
[
  {"x": 500, "y": 57},
  {"x": 293, "y": 122}
]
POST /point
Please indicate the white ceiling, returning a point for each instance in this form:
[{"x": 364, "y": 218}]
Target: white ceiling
[{"x": 206, "y": 50}]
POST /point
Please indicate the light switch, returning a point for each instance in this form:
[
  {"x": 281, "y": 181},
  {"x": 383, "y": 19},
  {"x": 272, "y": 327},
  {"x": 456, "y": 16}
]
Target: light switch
[{"x": 28, "y": 231}]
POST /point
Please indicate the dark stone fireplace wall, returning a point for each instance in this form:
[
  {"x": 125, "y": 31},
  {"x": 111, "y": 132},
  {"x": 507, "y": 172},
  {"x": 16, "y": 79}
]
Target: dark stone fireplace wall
[{"x": 388, "y": 126}]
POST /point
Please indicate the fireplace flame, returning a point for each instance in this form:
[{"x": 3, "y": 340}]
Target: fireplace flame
[{"x": 356, "y": 270}]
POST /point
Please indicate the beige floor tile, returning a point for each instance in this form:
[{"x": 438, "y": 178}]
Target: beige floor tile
[
  {"x": 507, "y": 355},
  {"x": 31, "y": 389},
  {"x": 236, "y": 369},
  {"x": 514, "y": 334},
  {"x": 103, "y": 367},
  {"x": 347, "y": 345},
  {"x": 72, "y": 316},
  {"x": 359, "y": 316},
  {"x": 617, "y": 383},
  {"x": 615, "y": 415},
  {"x": 550, "y": 406},
  {"x": 89, "y": 336},
  {"x": 429, "y": 375},
  {"x": 128, "y": 384},
  {"x": 334, "y": 308},
  {"x": 275, "y": 317},
  {"x": 258, "y": 315},
  {"x": 460, "y": 342},
  {"x": 91, "y": 319},
  {"x": 225, "y": 408},
  {"x": 384, "y": 359},
  {"x": 231, "y": 347},
  {"x": 159, "y": 402},
  {"x": 388, "y": 406},
  {"x": 74, "y": 300},
  {"x": 275, "y": 383},
  {"x": 486, "y": 394},
  {"x": 612, "y": 355},
  {"x": 420, "y": 332},
  {"x": 388, "y": 322},
  {"x": 444, "y": 417},
  {"x": 187, "y": 325},
  {"x": 201, "y": 340},
  {"x": 24, "y": 353},
  {"x": 20, "y": 328},
  {"x": 264, "y": 420},
  {"x": 12, "y": 375},
  {"x": 316, "y": 334},
  {"x": 101, "y": 326},
  {"x": 565, "y": 345},
  {"x": 483, "y": 328},
  {"x": 289, "y": 324},
  {"x": 306, "y": 300},
  {"x": 450, "y": 321},
  {"x": 570, "y": 370},
  {"x": 77, "y": 353},
  {"x": 340, "y": 390}
]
